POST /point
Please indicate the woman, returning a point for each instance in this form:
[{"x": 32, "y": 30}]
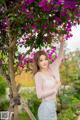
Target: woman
[{"x": 47, "y": 82}]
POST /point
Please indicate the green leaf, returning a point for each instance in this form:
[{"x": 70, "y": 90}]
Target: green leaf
[{"x": 2, "y": 1}]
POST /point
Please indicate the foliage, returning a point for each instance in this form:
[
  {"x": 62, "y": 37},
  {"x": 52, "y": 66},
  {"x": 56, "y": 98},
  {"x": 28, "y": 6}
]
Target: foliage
[
  {"x": 70, "y": 95},
  {"x": 4, "y": 105},
  {"x": 70, "y": 68},
  {"x": 68, "y": 98},
  {"x": 3, "y": 86},
  {"x": 67, "y": 115},
  {"x": 3, "y": 61},
  {"x": 37, "y": 16},
  {"x": 70, "y": 104},
  {"x": 33, "y": 102},
  {"x": 76, "y": 86},
  {"x": 23, "y": 116}
]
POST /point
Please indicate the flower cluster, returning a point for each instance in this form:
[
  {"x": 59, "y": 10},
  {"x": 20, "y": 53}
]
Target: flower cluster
[
  {"x": 29, "y": 58},
  {"x": 38, "y": 22},
  {"x": 42, "y": 15}
]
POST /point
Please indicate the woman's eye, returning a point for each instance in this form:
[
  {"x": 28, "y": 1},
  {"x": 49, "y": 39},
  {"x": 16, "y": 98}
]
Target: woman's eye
[
  {"x": 41, "y": 60},
  {"x": 46, "y": 59}
]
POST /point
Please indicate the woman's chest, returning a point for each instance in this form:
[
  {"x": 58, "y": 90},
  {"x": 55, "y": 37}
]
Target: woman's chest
[{"x": 49, "y": 82}]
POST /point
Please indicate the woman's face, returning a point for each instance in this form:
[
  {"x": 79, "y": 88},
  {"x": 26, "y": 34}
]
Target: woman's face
[{"x": 43, "y": 62}]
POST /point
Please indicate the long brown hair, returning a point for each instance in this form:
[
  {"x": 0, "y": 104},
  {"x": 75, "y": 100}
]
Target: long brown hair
[{"x": 36, "y": 67}]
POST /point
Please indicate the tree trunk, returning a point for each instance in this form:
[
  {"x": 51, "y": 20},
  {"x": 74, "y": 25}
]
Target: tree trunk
[{"x": 12, "y": 79}]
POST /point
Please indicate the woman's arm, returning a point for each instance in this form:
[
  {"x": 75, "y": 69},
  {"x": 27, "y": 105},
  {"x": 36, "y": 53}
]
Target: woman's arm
[
  {"x": 57, "y": 62},
  {"x": 57, "y": 86},
  {"x": 39, "y": 88}
]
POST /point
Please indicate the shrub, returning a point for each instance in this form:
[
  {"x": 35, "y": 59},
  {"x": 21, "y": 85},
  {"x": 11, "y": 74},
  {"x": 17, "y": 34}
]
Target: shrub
[{"x": 67, "y": 114}]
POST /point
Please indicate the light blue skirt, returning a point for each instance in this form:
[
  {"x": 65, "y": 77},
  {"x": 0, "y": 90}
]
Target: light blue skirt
[{"x": 47, "y": 110}]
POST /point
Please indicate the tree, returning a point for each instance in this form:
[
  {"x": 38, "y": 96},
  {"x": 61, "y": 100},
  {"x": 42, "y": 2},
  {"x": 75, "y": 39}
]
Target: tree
[{"x": 46, "y": 18}]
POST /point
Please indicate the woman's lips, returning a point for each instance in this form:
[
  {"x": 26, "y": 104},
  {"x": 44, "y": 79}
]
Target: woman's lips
[{"x": 44, "y": 64}]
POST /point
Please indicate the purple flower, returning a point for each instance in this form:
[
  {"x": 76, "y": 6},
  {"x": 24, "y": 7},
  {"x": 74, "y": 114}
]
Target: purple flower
[
  {"x": 45, "y": 5},
  {"x": 60, "y": 1},
  {"x": 70, "y": 4},
  {"x": 29, "y": 15},
  {"x": 42, "y": 3},
  {"x": 58, "y": 19},
  {"x": 44, "y": 26},
  {"x": 28, "y": 2},
  {"x": 5, "y": 23},
  {"x": 34, "y": 27},
  {"x": 63, "y": 13},
  {"x": 23, "y": 8}
]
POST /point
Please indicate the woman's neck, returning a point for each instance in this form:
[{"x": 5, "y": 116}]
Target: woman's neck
[{"x": 44, "y": 70}]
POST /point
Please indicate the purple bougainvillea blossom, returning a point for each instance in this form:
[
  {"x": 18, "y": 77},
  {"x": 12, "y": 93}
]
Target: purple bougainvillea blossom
[
  {"x": 71, "y": 4},
  {"x": 45, "y": 5},
  {"x": 28, "y": 2}
]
